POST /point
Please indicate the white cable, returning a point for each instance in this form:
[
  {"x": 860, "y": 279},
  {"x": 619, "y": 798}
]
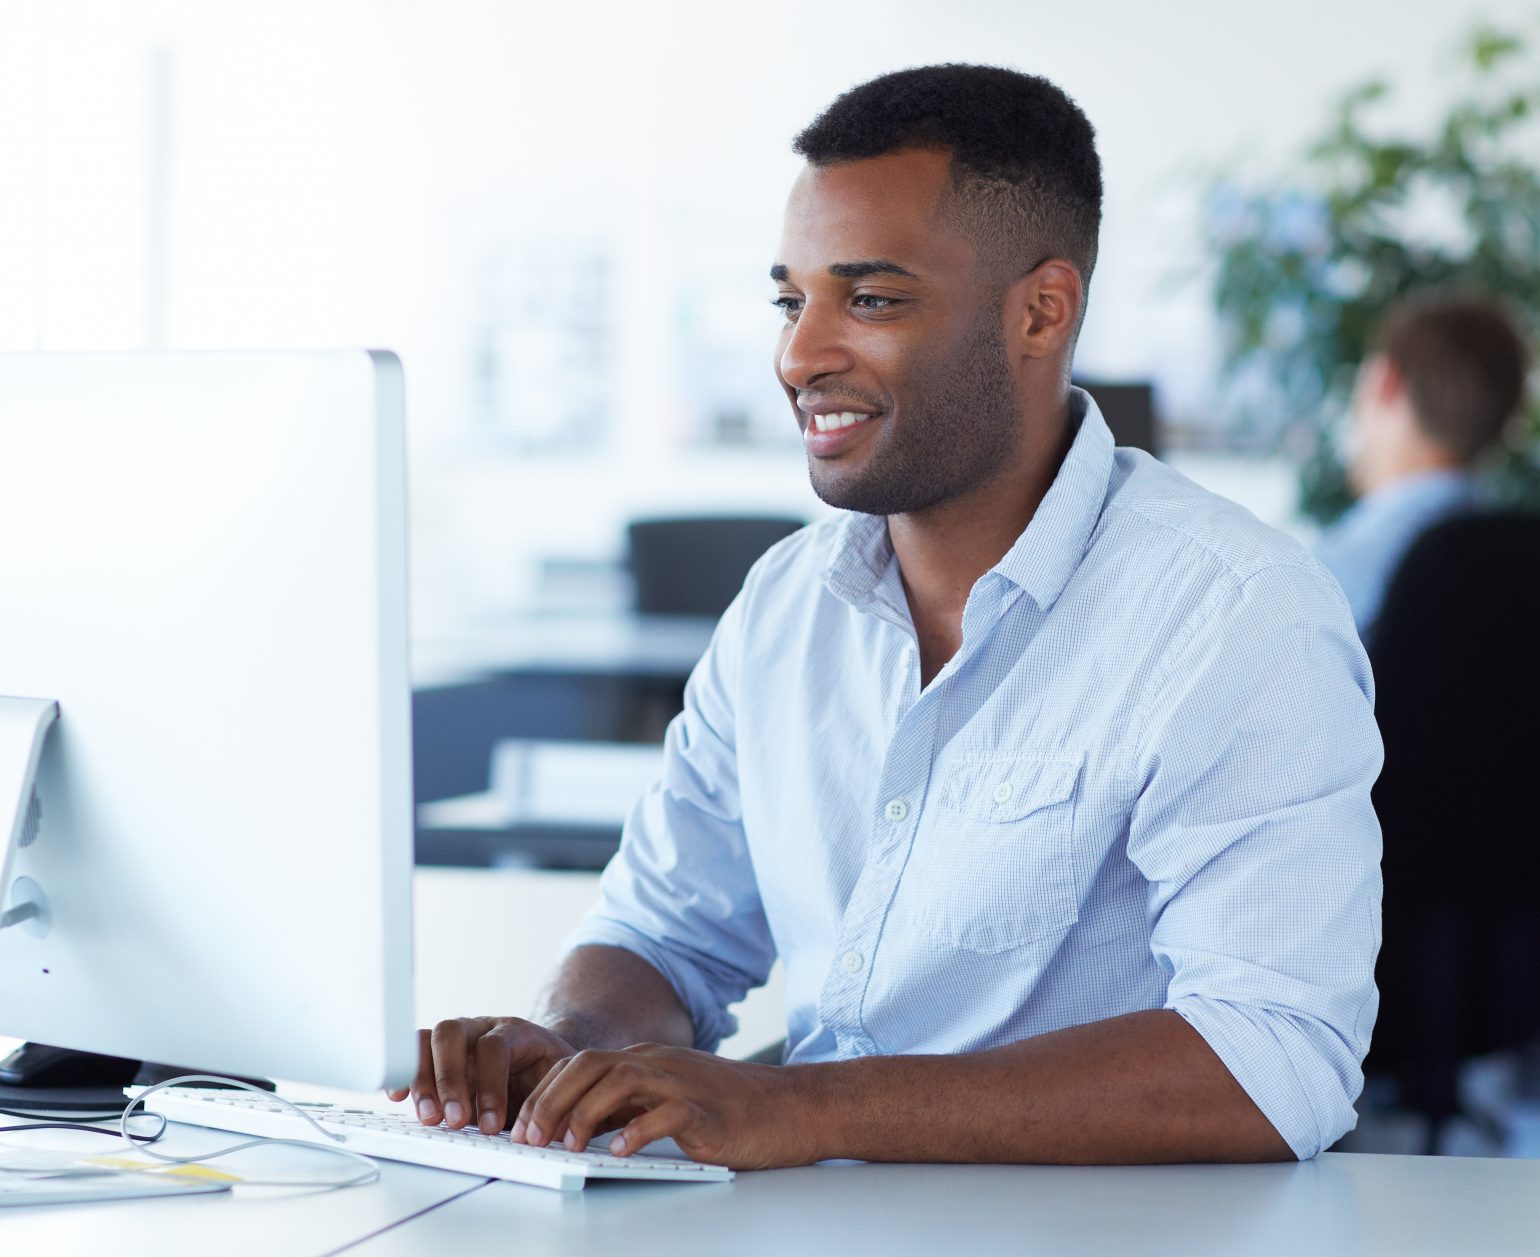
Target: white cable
[{"x": 369, "y": 1175}]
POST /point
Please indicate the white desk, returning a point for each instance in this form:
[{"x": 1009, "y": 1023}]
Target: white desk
[
  {"x": 259, "y": 1221},
  {"x": 625, "y": 644},
  {"x": 1352, "y": 1205},
  {"x": 1341, "y": 1205}
]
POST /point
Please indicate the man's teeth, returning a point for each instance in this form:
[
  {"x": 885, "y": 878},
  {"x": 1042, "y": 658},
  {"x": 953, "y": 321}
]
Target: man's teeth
[{"x": 828, "y": 423}]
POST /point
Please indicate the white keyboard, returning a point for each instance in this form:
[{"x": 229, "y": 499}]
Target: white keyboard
[{"x": 397, "y": 1136}]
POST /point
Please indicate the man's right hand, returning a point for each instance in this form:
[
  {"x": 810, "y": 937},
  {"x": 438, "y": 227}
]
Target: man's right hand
[{"x": 480, "y": 1069}]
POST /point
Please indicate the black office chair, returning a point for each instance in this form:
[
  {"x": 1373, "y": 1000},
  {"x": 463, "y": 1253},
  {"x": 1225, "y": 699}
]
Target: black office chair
[
  {"x": 1129, "y": 409},
  {"x": 696, "y": 566},
  {"x": 1456, "y": 656}
]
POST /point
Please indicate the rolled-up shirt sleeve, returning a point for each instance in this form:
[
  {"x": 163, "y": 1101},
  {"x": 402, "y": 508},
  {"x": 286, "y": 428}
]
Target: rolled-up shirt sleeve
[
  {"x": 1255, "y": 752},
  {"x": 681, "y": 892}
]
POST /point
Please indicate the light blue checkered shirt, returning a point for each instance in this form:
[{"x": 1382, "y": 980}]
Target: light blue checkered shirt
[{"x": 1142, "y": 782}]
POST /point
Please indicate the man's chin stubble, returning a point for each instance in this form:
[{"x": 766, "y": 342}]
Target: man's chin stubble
[{"x": 874, "y": 494}]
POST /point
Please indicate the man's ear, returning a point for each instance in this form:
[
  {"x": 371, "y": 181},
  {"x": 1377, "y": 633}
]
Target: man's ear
[
  {"x": 1380, "y": 381},
  {"x": 1045, "y": 309}
]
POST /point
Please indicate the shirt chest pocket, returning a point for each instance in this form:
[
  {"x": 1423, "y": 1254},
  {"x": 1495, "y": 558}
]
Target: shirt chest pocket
[{"x": 993, "y": 865}]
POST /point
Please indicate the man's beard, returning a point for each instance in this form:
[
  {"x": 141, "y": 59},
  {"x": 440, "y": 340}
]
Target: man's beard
[{"x": 959, "y": 427}]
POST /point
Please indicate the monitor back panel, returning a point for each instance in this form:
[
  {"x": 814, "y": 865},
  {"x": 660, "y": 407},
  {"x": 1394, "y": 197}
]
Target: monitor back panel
[{"x": 202, "y": 558}]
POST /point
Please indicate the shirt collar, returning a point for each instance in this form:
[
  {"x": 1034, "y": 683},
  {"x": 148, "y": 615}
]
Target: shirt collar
[
  {"x": 1043, "y": 558},
  {"x": 1432, "y": 487},
  {"x": 1398, "y": 505}
]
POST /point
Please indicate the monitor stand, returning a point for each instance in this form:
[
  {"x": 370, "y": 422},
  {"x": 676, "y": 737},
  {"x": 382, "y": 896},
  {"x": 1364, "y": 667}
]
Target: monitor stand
[
  {"x": 37, "y": 1078},
  {"x": 24, "y": 726}
]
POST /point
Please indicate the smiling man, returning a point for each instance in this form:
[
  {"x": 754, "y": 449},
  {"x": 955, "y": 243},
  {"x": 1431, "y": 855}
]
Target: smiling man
[{"x": 1043, "y": 772}]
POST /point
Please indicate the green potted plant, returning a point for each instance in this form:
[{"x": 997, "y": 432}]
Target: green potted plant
[{"x": 1307, "y": 263}]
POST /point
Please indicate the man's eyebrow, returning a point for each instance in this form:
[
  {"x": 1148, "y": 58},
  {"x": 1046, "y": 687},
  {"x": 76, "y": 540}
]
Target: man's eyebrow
[
  {"x": 876, "y": 266},
  {"x": 851, "y": 270}
]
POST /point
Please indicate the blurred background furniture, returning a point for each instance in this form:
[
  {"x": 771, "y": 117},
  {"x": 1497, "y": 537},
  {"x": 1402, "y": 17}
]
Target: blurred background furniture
[
  {"x": 1456, "y": 657},
  {"x": 527, "y": 734},
  {"x": 1129, "y": 409},
  {"x": 695, "y": 565},
  {"x": 549, "y": 804},
  {"x": 595, "y": 677}
]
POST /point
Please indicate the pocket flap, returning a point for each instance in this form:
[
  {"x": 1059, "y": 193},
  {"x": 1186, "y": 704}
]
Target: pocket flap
[{"x": 1009, "y": 787}]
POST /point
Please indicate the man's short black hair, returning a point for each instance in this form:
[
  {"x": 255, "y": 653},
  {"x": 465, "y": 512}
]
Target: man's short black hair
[{"x": 1024, "y": 167}]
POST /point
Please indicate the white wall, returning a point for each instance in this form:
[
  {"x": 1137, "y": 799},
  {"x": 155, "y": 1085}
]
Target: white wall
[
  {"x": 341, "y": 171},
  {"x": 326, "y": 172},
  {"x": 487, "y": 942}
]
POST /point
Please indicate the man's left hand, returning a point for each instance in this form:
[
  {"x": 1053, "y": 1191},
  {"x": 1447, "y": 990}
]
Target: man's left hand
[{"x": 719, "y": 1111}]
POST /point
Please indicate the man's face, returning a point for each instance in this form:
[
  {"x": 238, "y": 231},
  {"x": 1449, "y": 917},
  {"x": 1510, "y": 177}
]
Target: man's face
[{"x": 893, "y": 351}]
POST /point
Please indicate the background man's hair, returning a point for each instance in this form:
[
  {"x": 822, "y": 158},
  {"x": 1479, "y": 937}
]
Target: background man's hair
[
  {"x": 1464, "y": 364},
  {"x": 1027, "y": 179}
]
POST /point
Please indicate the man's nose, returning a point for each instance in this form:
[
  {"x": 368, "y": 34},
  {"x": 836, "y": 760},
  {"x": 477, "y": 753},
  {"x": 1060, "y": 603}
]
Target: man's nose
[{"x": 813, "y": 347}]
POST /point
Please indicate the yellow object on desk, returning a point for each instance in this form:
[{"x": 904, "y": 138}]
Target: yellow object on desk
[{"x": 62, "y": 1178}]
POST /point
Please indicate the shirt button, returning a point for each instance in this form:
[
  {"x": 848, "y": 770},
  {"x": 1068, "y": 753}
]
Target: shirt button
[
  {"x": 1003, "y": 792},
  {"x": 897, "y": 810},
  {"x": 852, "y": 961}
]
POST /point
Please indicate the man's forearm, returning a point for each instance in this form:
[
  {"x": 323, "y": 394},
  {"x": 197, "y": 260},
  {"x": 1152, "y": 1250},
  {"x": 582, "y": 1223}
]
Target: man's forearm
[
  {"x": 1140, "y": 1088},
  {"x": 607, "y": 997}
]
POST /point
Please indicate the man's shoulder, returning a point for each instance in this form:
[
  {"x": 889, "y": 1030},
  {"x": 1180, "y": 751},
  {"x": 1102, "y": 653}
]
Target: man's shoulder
[
  {"x": 1175, "y": 542},
  {"x": 804, "y": 556},
  {"x": 1173, "y": 517}
]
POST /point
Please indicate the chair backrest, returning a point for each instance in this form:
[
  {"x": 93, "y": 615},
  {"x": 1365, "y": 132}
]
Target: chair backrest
[
  {"x": 696, "y": 566},
  {"x": 1456, "y": 657},
  {"x": 1129, "y": 409}
]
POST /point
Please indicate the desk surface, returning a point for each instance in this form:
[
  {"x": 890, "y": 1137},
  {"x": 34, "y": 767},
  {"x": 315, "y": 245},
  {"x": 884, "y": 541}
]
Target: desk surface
[
  {"x": 626, "y": 645},
  {"x": 1352, "y": 1205},
  {"x": 1343, "y": 1203},
  {"x": 260, "y": 1221}
]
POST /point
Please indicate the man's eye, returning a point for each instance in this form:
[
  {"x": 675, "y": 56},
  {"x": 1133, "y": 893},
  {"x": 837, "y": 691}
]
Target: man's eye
[
  {"x": 789, "y": 306},
  {"x": 871, "y": 301}
]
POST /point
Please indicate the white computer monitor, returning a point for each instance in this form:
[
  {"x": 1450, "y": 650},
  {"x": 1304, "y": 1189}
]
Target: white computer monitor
[{"x": 202, "y": 562}]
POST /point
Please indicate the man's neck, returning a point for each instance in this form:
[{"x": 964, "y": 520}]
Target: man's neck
[
  {"x": 1419, "y": 460},
  {"x": 942, "y": 552}
]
